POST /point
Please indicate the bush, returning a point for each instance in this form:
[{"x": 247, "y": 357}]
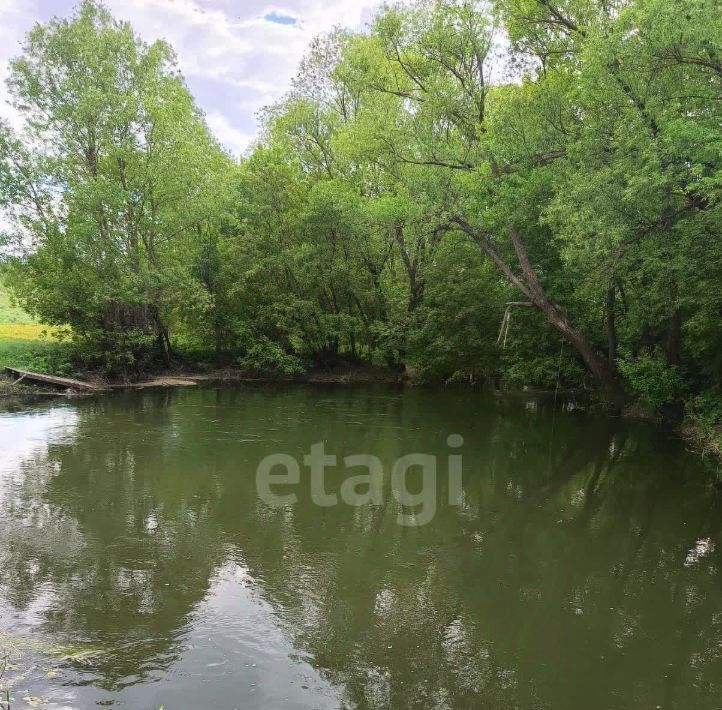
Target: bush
[
  {"x": 707, "y": 409},
  {"x": 264, "y": 356},
  {"x": 655, "y": 383},
  {"x": 120, "y": 354},
  {"x": 43, "y": 356},
  {"x": 704, "y": 421}
]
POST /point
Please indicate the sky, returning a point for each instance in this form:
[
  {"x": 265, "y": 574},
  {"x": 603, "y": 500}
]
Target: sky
[{"x": 236, "y": 55}]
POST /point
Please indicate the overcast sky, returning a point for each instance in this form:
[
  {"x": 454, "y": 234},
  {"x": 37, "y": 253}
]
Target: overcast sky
[{"x": 236, "y": 55}]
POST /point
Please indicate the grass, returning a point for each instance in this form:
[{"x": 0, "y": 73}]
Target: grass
[
  {"x": 11, "y": 314},
  {"x": 26, "y": 344}
]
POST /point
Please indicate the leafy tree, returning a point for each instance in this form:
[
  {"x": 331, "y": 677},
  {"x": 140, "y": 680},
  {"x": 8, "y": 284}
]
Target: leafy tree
[
  {"x": 550, "y": 169},
  {"x": 109, "y": 182}
]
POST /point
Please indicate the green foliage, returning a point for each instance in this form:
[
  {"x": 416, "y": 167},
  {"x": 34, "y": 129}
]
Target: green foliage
[
  {"x": 10, "y": 312},
  {"x": 264, "y": 357},
  {"x": 107, "y": 184},
  {"x": 451, "y": 338},
  {"x": 707, "y": 408},
  {"x": 416, "y": 179},
  {"x": 703, "y": 421},
  {"x": 654, "y": 382},
  {"x": 536, "y": 358},
  {"x": 44, "y": 356},
  {"x": 118, "y": 354}
]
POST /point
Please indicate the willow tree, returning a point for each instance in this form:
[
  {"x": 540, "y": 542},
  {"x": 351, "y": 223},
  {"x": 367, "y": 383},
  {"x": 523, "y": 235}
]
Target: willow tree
[
  {"x": 591, "y": 129},
  {"x": 635, "y": 200},
  {"x": 108, "y": 181},
  {"x": 356, "y": 251}
]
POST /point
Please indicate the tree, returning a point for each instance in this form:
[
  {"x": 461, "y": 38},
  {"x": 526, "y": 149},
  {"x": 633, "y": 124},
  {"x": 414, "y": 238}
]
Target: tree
[
  {"x": 600, "y": 92},
  {"x": 419, "y": 181},
  {"x": 109, "y": 181}
]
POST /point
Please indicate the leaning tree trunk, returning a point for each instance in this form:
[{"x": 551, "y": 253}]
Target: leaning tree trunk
[
  {"x": 673, "y": 346},
  {"x": 528, "y": 283},
  {"x": 612, "y": 325},
  {"x": 596, "y": 363}
]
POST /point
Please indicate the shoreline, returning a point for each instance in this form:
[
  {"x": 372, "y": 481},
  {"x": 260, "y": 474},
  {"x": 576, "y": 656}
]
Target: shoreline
[
  {"x": 706, "y": 443},
  {"x": 189, "y": 378}
]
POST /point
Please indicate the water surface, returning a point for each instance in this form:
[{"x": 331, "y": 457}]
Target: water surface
[{"x": 139, "y": 568}]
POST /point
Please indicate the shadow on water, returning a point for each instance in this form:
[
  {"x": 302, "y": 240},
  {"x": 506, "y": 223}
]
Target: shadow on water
[{"x": 582, "y": 570}]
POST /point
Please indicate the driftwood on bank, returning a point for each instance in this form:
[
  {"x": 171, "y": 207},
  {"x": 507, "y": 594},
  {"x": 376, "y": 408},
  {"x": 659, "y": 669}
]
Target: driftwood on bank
[{"x": 64, "y": 382}]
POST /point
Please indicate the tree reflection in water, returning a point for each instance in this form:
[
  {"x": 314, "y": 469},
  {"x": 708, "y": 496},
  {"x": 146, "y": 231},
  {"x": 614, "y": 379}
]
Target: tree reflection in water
[{"x": 583, "y": 569}]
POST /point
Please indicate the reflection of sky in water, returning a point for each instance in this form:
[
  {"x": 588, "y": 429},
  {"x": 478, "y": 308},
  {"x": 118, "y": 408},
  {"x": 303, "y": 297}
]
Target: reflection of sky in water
[
  {"x": 26, "y": 434},
  {"x": 232, "y": 644},
  {"x": 583, "y": 549},
  {"x": 234, "y": 648},
  {"x": 25, "y": 522}
]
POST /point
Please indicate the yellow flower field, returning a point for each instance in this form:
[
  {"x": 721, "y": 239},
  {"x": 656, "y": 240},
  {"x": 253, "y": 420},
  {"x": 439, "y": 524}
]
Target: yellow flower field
[
  {"x": 25, "y": 331},
  {"x": 26, "y": 344}
]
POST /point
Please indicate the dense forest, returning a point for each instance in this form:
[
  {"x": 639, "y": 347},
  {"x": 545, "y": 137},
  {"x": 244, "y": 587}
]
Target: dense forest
[{"x": 519, "y": 191}]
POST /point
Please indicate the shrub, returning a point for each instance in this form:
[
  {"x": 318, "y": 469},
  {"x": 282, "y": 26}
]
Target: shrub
[
  {"x": 265, "y": 356},
  {"x": 655, "y": 383}
]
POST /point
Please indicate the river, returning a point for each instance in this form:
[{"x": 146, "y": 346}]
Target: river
[{"x": 579, "y": 565}]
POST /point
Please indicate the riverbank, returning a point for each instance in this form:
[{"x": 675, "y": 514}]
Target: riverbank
[
  {"x": 703, "y": 437},
  {"x": 342, "y": 374},
  {"x": 28, "y": 345}
]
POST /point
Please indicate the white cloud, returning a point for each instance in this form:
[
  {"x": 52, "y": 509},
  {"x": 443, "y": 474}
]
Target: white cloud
[
  {"x": 15, "y": 19},
  {"x": 234, "y": 60},
  {"x": 236, "y": 141}
]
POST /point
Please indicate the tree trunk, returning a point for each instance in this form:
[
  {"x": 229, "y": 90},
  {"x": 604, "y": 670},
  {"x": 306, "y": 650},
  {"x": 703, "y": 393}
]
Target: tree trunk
[
  {"x": 164, "y": 343},
  {"x": 163, "y": 338},
  {"x": 416, "y": 292},
  {"x": 674, "y": 339},
  {"x": 218, "y": 331},
  {"x": 595, "y": 362},
  {"x": 612, "y": 325},
  {"x": 529, "y": 285},
  {"x": 416, "y": 286}
]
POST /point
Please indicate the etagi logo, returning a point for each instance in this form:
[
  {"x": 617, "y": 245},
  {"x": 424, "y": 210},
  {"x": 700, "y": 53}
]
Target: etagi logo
[{"x": 368, "y": 487}]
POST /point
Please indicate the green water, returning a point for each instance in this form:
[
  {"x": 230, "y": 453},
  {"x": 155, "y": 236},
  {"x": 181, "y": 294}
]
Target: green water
[{"x": 139, "y": 568}]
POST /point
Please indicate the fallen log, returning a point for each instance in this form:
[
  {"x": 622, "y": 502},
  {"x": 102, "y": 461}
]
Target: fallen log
[
  {"x": 180, "y": 381},
  {"x": 64, "y": 382}
]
